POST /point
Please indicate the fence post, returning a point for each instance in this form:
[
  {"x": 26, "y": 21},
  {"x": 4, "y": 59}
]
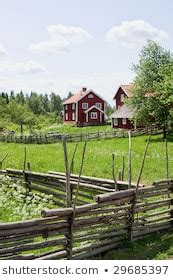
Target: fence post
[
  {"x": 68, "y": 202},
  {"x": 167, "y": 159},
  {"x": 132, "y": 217},
  {"x": 1, "y": 162},
  {"x": 130, "y": 161},
  {"x": 113, "y": 171}
]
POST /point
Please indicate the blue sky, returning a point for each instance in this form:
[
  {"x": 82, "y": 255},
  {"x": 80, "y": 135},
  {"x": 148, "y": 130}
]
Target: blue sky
[{"x": 60, "y": 46}]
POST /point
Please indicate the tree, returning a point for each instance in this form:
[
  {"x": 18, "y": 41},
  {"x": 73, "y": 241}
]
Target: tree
[
  {"x": 55, "y": 103},
  {"x": 33, "y": 103},
  {"x": 18, "y": 114},
  {"x": 69, "y": 95},
  {"x": 109, "y": 109},
  {"x": 153, "y": 86},
  {"x": 30, "y": 120}
]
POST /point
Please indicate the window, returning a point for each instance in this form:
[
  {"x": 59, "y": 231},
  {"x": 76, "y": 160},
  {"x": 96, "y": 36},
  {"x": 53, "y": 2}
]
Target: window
[
  {"x": 94, "y": 115},
  {"x": 98, "y": 105},
  {"x": 66, "y": 116},
  {"x": 90, "y": 95},
  {"x": 73, "y": 106},
  {"x": 116, "y": 122},
  {"x": 66, "y": 107},
  {"x": 73, "y": 116},
  {"x": 124, "y": 121},
  {"x": 84, "y": 105}
]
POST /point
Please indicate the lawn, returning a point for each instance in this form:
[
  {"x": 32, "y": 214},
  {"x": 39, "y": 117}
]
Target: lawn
[
  {"x": 98, "y": 157},
  {"x": 155, "y": 247},
  {"x": 46, "y": 127},
  {"x": 66, "y": 129}
]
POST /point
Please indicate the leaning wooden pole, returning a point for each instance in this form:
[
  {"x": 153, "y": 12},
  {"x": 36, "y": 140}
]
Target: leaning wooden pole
[
  {"x": 123, "y": 169},
  {"x": 24, "y": 161},
  {"x": 130, "y": 161},
  {"x": 72, "y": 168},
  {"x": 72, "y": 161},
  {"x": 142, "y": 164},
  {"x": 136, "y": 190},
  {"x": 113, "y": 171},
  {"x": 69, "y": 235},
  {"x": 72, "y": 217},
  {"x": 24, "y": 167},
  {"x": 167, "y": 158},
  {"x": 67, "y": 172},
  {"x": 2, "y": 160},
  {"x": 79, "y": 179}
]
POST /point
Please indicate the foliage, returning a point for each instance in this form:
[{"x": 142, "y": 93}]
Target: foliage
[
  {"x": 109, "y": 109},
  {"x": 153, "y": 85},
  {"x": 23, "y": 109},
  {"x": 17, "y": 202}
]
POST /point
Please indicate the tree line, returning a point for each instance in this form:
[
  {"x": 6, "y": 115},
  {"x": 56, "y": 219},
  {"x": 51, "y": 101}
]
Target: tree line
[{"x": 23, "y": 109}]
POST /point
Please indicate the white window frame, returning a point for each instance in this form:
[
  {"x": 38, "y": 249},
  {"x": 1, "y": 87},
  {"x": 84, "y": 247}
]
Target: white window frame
[
  {"x": 85, "y": 106},
  {"x": 98, "y": 105},
  {"x": 90, "y": 95},
  {"x": 73, "y": 106},
  {"x": 66, "y": 116},
  {"x": 94, "y": 115},
  {"x": 116, "y": 121},
  {"x": 124, "y": 121},
  {"x": 73, "y": 116},
  {"x": 66, "y": 107}
]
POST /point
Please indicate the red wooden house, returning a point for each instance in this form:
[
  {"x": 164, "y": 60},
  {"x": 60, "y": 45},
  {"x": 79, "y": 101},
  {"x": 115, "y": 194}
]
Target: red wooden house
[
  {"x": 84, "y": 108},
  {"x": 123, "y": 116}
]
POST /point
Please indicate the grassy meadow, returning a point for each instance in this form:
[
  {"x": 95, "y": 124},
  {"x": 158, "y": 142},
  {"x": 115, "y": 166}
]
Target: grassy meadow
[
  {"x": 45, "y": 127},
  {"x": 98, "y": 160}
]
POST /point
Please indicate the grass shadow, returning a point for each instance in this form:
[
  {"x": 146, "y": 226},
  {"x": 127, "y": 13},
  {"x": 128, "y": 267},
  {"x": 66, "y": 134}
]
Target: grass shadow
[{"x": 157, "y": 246}]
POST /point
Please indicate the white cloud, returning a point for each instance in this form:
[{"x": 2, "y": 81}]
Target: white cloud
[
  {"x": 62, "y": 38},
  {"x": 134, "y": 33},
  {"x": 3, "y": 51},
  {"x": 28, "y": 67}
]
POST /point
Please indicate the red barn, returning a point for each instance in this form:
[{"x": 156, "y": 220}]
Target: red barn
[
  {"x": 84, "y": 108},
  {"x": 123, "y": 116}
]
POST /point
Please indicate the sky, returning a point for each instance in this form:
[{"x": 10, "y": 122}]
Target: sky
[{"x": 61, "y": 46}]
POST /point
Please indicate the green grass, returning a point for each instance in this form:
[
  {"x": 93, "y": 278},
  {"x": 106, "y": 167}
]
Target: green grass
[
  {"x": 155, "y": 247},
  {"x": 46, "y": 127},
  {"x": 98, "y": 160},
  {"x": 66, "y": 129}
]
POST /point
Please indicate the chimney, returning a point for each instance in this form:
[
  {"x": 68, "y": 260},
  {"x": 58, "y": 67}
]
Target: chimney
[{"x": 84, "y": 88}]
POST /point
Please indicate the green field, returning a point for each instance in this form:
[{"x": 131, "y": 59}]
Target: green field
[
  {"x": 155, "y": 247},
  {"x": 45, "y": 127},
  {"x": 98, "y": 160},
  {"x": 97, "y": 163}
]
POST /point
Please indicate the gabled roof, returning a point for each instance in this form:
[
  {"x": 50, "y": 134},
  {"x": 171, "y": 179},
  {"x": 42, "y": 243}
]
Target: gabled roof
[
  {"x": 93, "y": 107},
  {"x": 123, "y": 112},
  {"x": 78, "y": 96},
  {"x": 126, "y": 88}
]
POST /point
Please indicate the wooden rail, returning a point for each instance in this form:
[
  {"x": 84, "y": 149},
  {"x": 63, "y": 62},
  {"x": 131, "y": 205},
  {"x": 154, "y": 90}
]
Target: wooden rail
[
  {"x": 100, "y": 225},
  {"x": 57, "y": 137}
]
